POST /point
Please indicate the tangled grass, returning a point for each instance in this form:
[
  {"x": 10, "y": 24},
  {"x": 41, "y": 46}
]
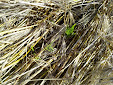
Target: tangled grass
[{"x": 56, "y": 43}]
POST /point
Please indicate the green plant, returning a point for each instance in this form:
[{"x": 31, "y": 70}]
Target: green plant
[
  {"x": 32, "y": 48},
  {"x": 37, "y": 58},
  {"x": 70, "y": 30},
  {"x": 49, "y": 47}
]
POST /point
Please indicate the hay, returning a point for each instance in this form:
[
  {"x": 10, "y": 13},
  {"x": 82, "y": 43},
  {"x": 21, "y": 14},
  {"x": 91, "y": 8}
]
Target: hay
[{"x": 56, "y": 43}]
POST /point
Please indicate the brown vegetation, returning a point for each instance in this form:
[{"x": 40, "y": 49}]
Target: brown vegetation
[{"x": 56, "y": 43}]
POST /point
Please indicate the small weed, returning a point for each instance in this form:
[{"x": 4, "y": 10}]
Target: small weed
[
  {"x": 37, "y": 58},
  {"x": 32, "y": 48},
  {"x": 49, "y": 47},
  {"x": 70, "y": 30}
]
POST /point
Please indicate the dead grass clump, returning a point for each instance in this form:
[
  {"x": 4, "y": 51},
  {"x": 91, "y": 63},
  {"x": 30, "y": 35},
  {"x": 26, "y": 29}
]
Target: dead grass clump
[{"x": 56, "y": 43}]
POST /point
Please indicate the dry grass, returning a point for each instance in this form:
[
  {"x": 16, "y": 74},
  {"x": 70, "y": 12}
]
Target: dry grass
[{"x": 35, "y": 50}]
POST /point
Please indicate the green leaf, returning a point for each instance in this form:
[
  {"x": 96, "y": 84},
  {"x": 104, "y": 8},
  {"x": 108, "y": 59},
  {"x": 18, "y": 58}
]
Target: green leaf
[
  {"x": 32, "y": 48},
  {"x": 49, "y": 47},
  {"x": 70, "y": 31},
  {"x": 37, "y": 58}
]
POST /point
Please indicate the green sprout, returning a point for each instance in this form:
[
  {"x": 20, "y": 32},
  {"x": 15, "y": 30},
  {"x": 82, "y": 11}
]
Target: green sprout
[
  {"x": 37, "y": 58},
  {"x": 49, "y": 47},
  {"x": 34, "y": 53},
  {"x": 70, "y": 31},
  {"x": 32, "y": 48}
]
